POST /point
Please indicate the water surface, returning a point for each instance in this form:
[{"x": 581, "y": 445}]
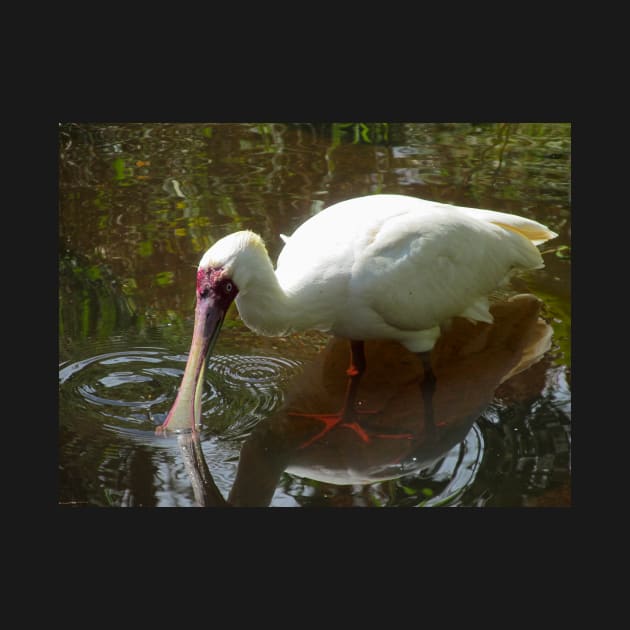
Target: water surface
[{"x": 140, "y": 203}]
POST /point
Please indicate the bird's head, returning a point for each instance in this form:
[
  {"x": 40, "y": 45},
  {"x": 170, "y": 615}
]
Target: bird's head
[{"x": 226, "y": 268}]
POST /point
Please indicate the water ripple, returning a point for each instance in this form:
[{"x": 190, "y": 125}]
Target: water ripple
[
  {"x": 130, "y": 391},
  {"x": 251, "y": 387}
]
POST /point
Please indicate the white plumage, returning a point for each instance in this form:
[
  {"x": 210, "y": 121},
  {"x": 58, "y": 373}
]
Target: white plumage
[
  {"x": 376, "y": 267},
  {"x": 381, "y": 266}
]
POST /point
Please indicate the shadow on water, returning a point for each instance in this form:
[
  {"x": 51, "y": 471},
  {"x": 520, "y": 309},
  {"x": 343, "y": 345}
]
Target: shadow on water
[{"x": 387, "y": 435}]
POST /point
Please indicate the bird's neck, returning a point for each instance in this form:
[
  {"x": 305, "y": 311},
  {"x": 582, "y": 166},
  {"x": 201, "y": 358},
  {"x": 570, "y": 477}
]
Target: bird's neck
[{"x": 262, "y": 303}]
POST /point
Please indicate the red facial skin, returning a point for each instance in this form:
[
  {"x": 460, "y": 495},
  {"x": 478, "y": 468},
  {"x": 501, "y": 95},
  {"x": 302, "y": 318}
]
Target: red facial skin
[{"x": 215, "y": 292}]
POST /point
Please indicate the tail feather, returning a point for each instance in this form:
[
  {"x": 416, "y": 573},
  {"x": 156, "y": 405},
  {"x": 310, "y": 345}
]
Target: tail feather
[{"x": 536, "y": 232}]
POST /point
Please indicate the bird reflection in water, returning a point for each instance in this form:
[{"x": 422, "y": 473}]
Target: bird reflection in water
[{"x": 390, "y": 423}]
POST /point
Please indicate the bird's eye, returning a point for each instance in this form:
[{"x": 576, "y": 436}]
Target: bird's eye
[{"x": 228, "y": 287}]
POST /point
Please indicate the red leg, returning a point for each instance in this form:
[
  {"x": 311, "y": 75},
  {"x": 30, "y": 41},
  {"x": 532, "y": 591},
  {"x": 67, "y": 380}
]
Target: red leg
[
  {"x": 331, "y": 420},
  {"x": 357, "y": 358},
  {"x": 346, "y": 417}
]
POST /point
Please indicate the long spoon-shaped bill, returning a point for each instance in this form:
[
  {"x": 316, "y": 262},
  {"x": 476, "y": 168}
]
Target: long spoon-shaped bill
[{"x": 186, "y": 411}]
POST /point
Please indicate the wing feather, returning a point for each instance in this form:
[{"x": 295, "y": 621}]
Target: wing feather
[{"x": 423, "y": 268}]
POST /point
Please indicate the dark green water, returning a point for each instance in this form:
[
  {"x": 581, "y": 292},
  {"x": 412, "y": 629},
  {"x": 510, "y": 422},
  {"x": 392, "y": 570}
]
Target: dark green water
[{"x": 140, "y": 203}]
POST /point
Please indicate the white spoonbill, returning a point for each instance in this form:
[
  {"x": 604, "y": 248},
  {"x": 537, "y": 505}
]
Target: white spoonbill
[{"x": 374, "y": 267}]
